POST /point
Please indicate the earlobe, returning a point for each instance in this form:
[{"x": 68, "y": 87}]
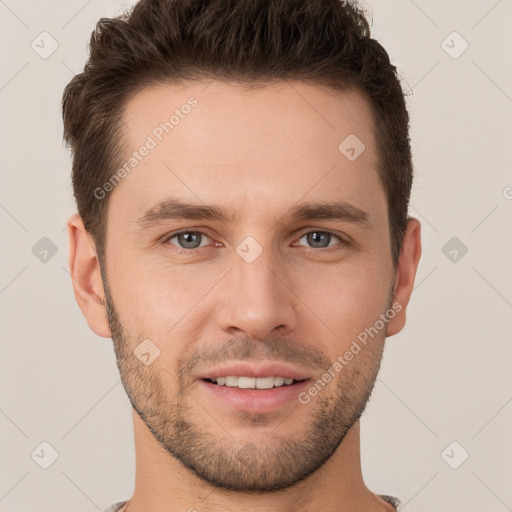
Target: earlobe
[
  {"x": 405, "y": 275},
  {"x": 86, "y": 276}
]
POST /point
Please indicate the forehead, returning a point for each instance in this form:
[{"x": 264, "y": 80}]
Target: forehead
[
  {"x": 257, "y": 113},
  {"x": 220, "y": 143}
]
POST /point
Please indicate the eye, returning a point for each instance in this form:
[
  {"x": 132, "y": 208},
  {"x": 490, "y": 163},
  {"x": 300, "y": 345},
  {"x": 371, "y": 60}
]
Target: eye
[
  {"x": 192, "y": 239},
  {"x": 187, "y": 239},
  {"x": 321, "y": 239}
]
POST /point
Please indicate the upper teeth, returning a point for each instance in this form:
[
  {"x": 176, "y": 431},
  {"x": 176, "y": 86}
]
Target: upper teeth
[{"x": 252, "y": 382}]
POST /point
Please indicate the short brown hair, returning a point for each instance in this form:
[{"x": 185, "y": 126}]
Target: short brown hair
[{"x": 324, "y": 42}]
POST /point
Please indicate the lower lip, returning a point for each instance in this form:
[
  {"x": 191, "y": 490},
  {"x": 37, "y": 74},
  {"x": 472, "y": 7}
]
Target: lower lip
[{"x": 255, "y": 400}]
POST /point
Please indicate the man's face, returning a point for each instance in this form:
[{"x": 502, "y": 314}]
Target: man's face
[{"x": 258, "y": 287}]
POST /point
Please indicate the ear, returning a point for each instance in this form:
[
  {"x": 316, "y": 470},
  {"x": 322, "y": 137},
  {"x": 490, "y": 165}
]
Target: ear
[
  {"x": 86, "y": 277},
  {"x": 410, "y": 254}
]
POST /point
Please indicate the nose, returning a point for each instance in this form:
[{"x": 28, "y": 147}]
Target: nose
[{"x": 257, "y": 298}]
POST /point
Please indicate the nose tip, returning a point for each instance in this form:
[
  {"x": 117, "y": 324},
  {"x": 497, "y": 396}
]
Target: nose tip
[{"x": 256, "y": 301}]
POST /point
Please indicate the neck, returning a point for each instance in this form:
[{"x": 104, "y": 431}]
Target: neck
[{"x": 162, "y": 483}]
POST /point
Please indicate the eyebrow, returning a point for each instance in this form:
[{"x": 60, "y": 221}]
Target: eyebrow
[{"x": 175, "y": 209}]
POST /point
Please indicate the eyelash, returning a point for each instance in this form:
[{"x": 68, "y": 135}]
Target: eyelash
[{"x": 343, "y": 242}]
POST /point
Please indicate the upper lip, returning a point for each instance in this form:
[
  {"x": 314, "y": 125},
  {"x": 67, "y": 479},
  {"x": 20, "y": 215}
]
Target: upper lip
[{"x": 247, "y": 369}]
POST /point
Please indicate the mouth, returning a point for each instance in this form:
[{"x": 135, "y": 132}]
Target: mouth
[
  {"x": 262, "y": 386},
  {"x": 252, "y": 395},
  {"x": 253, "y": 383}
]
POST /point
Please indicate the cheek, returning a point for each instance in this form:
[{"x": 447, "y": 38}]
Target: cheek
[
  {"x": 157, "y": 299},
  {"x": 346, "y": 301}
]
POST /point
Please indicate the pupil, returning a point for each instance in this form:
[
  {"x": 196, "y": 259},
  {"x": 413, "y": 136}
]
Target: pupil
[
  {"x": 315, "y": 236},
  {"x": 187, "y": 237}
]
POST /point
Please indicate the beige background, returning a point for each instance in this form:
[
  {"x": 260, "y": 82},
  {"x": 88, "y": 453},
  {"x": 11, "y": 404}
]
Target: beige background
[{"x": 445, "y": 378}]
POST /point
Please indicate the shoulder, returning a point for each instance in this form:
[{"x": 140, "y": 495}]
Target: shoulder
[
  {"x": 391, "y": 499},
  {"x": 115, "y": 507}
]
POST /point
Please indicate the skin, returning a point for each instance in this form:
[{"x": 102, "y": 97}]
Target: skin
[{"x": 254, "y": 154}]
